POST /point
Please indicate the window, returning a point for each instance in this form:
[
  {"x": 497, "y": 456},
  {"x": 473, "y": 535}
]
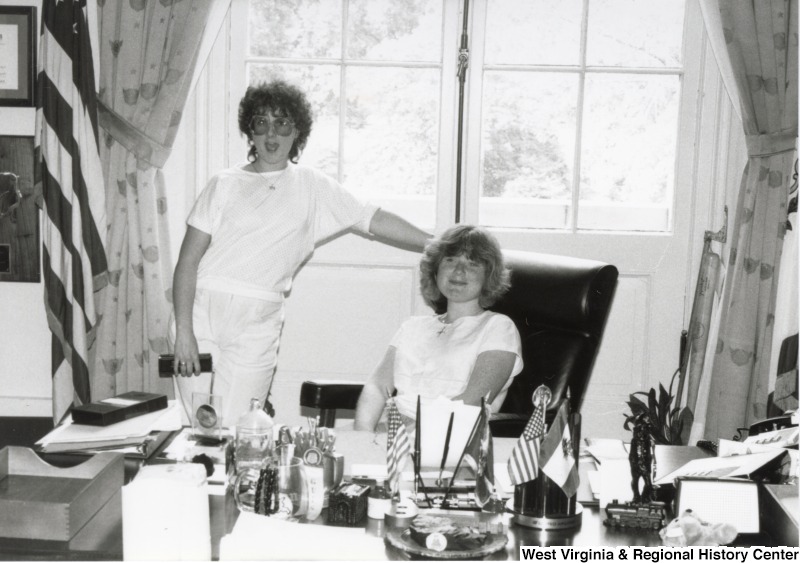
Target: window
[{"x": 570, "y": 112}]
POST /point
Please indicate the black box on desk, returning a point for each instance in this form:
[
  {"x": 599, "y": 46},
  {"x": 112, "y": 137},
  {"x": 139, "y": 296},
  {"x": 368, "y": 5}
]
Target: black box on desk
[
  {"x": 119, "y": 408},
  {"x": 347, "y": 504}
]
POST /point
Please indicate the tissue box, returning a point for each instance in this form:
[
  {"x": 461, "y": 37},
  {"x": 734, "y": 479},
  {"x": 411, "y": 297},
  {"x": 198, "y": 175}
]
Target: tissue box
[
  {"x": 347, "y": 505},
  {"x": 119, "y": 408},
  {"x": 42, "y": 502},
  {"x": 165, "y": 514}
]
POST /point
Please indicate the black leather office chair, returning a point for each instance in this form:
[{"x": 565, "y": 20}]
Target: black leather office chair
[{"x": 560, "y": 306}]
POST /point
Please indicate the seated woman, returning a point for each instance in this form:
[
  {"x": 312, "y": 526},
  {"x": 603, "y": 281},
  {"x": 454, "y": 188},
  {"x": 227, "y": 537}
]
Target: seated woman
[{"x": 464, "y": 352}]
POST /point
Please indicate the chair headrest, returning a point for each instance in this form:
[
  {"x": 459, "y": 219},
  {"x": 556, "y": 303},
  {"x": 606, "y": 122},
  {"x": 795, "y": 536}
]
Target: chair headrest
[{"x": 570, "y": 293}]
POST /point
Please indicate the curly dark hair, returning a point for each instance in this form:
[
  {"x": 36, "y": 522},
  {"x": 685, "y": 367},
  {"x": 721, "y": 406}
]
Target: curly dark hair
[
  {"x": 478, "y": 245},
  {"x": 278, "y": 98}
]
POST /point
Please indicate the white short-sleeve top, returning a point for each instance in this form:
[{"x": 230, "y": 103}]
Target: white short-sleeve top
[
  {"x": 260, "y": 235},
  {"x": 434, "y": 360}
]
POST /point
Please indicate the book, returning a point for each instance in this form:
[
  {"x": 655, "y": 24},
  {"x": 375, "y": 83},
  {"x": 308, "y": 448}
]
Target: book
[{"x": 118, "y": 408}]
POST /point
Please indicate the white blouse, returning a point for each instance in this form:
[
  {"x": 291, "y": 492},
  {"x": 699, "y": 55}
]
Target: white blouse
[
  {"x": 261, "y": 235},
  {"x": 433, "y": 359}
]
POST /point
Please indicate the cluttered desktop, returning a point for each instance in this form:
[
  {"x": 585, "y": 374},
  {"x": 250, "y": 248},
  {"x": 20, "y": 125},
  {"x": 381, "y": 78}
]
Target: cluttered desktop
[{"x": 109, "y": 484}]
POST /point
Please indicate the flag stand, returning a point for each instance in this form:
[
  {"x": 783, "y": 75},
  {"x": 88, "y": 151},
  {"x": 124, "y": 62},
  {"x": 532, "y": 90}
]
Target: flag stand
[{"x": 541, "y": 504}]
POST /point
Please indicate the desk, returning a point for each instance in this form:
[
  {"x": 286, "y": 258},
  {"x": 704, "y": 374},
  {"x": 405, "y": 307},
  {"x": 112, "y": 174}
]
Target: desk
[{"x": 104, "y": 540}]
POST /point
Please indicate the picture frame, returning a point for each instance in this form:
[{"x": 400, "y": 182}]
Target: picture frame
[{"x": 17, "y": 55}]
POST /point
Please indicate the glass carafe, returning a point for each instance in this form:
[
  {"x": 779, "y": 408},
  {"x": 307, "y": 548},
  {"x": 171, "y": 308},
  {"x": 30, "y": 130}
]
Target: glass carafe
[{"x": 254, "y": 441}]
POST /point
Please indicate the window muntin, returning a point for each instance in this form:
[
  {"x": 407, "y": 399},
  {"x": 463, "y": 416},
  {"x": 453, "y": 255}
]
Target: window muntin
[
  {"x": 579, "y": 104},
  {"x": 583, "y": 136},
  {"x": 375, "y": 91}
]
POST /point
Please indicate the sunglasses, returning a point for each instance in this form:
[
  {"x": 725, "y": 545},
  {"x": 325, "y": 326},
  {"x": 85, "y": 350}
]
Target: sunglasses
[{"x": 283, "y": 126}]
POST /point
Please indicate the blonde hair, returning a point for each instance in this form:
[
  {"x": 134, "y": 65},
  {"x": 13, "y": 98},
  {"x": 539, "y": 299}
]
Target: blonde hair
[{"x": 477, "y": 244}]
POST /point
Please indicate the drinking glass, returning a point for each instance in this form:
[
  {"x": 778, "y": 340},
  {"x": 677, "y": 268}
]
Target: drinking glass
[{"x": 292, "y": 488}]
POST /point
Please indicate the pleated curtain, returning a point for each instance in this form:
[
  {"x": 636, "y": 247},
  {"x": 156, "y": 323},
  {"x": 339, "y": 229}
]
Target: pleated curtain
[
  {"x": 755, "y": 44},
  {"x": 148, "y": 55}
]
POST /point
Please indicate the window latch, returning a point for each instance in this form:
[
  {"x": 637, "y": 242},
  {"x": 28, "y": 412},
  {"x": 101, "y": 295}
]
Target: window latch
[{"x": 463, "y": 62}]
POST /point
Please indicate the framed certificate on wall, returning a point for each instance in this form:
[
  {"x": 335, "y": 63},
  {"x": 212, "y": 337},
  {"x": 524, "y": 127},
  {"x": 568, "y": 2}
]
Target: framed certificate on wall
[{"x": 17, "y": 55}]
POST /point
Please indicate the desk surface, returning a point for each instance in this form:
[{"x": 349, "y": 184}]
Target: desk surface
[{"x": 102, "y": 540}]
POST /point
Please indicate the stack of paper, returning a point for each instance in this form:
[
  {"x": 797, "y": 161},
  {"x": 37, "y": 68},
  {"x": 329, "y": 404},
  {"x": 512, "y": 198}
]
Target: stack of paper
[
  {"x": 612, "y": 480},
  {"x": 722, "y": 467},
  {"x": 126, "y": 434}
]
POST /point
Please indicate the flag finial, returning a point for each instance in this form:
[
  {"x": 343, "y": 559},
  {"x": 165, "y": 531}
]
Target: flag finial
[{"x": 542, "y": 396}]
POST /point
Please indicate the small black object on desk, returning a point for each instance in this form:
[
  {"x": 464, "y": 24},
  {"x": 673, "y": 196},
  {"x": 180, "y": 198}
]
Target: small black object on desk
[
  {"x": 116, "y": 409},
  {"x": 348, "y": 504},
  {"x": 636, "y": 516}
]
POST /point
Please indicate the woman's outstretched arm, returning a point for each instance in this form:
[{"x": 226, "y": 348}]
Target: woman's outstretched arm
[{"x": 394, "y": 228}]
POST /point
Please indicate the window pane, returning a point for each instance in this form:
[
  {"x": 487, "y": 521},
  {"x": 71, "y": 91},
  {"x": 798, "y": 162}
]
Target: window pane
[
  {"x": 391, "y": 138},
  {"x": 295, "y": 28},
  {"x": 527, "y": 148},
  {"x": 392, "y": 31},
  {"x": 628, "y": 151},
  {"x": 533, "y": 32},
  {"x": 639, "y": 33},
  {"x": 321, "y": 85}
]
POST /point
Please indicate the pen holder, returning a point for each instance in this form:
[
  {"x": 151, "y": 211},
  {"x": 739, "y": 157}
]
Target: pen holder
[{"x": 541, "y": 504}]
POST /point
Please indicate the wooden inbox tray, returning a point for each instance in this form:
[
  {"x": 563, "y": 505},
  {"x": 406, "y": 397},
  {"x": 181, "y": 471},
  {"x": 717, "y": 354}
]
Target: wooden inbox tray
[{"x": 39, "y": 501}]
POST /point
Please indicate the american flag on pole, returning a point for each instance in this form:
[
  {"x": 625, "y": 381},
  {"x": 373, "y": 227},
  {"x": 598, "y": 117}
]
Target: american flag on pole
[
  {"x": 558, "y": 454},
  {"x": 523, "y": 465},
  {"x": 397, "y": 445},
  {"x": 73, "y": 194}
]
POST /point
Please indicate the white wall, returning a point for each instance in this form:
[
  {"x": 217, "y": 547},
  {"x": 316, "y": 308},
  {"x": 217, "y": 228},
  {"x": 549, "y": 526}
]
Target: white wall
[{"x": 24, "y": 338}]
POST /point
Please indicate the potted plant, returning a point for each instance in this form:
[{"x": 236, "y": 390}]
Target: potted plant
[{"x": 668, "y": 424}]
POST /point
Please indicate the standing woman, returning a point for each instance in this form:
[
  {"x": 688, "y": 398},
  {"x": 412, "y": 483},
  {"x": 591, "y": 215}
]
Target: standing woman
[
  {"x": 464, "y": 352},
  {"x": 249, "y": 231}
]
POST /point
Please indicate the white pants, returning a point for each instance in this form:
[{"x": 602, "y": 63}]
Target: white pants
[{"x": 242, "y": 335}]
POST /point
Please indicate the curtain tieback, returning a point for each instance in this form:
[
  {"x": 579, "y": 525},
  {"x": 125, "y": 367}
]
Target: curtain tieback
[
  {"x": 142, "y": 146},
  {"x": 770, "y": 143}
]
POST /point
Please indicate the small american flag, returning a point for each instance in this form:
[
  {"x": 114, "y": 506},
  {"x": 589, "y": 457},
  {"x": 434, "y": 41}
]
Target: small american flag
[
  {"x": 523, "y": 465},
  {"x": 397, "y": 445}
]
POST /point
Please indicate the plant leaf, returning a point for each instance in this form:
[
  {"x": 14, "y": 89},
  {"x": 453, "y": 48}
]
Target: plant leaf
[
  {"x": 687, "y": 420},
  {"x": 653, "y": 404},
  {"x": 636, "y": 405}
]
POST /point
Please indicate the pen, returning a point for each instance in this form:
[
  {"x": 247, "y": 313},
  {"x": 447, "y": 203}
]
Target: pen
[
  {"x": 417, "y": 459},
  {"x": 473, "y": 435},
  {"x": 446, "y": 448}
]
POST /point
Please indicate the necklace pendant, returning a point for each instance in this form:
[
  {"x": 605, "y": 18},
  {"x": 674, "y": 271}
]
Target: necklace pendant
[{"x": 444, "y": 325}]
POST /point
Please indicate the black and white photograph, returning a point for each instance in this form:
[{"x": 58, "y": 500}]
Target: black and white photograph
[{"x": 341, "y": 280}]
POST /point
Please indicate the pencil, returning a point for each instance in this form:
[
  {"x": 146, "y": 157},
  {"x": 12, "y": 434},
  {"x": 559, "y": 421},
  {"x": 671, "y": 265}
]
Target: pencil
[{"x": 446, "y": 448}]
